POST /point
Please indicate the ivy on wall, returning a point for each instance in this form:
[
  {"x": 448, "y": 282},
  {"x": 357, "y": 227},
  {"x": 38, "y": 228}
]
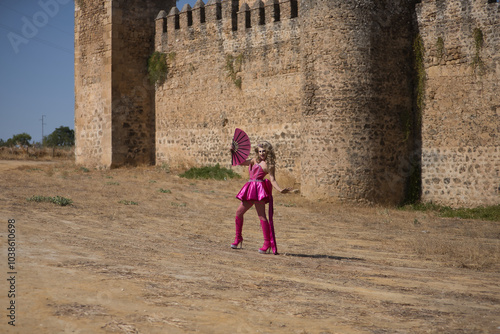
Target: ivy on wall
[
  {"x": 440, "y": 47},
  {"x": 157, "y": 68}
]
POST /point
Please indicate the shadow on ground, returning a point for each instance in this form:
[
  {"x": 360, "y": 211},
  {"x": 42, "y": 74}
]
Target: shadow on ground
[{"x": 323, "y": 256}]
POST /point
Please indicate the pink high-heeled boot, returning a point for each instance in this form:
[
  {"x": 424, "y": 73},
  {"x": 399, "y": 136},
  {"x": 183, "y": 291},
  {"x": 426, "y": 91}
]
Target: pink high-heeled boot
[
  {"x": 238, "y": 240},
  {"x": 266, "y": 231}
]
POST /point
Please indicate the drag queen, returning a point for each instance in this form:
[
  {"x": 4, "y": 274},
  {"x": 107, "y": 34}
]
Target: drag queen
[{"x": 258, "y": 191}]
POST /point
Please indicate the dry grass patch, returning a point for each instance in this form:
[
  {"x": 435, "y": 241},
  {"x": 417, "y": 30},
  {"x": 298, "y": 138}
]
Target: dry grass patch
[
  {"x": 472, "y": 253},
  {"x": 39, "y": 154}
]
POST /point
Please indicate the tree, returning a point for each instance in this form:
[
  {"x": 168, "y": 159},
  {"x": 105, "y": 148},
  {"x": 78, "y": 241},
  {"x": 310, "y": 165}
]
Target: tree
[
  {"x": 62, "y": 136},
  {"x": 22, "y": 139}
]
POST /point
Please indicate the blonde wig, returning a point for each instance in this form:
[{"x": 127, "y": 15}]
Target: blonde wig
[{"x": 271, "y": 157}]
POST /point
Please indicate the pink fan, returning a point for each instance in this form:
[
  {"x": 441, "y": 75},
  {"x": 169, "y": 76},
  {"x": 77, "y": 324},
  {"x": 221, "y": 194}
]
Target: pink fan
[{"x": 240, "y": 147}]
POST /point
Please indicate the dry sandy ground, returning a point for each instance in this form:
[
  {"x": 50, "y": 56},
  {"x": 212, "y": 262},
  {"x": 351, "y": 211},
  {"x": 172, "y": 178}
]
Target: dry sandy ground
[{"x": 164, "y": 265}]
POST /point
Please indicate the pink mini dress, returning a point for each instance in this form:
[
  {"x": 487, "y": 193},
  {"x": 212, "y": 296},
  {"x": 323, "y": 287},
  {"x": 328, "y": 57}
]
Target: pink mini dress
[{"x": 256, "y": 189}]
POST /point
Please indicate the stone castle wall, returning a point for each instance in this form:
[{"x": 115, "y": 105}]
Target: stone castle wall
[
  {"x": 93, "y": 83},
  {"x": 114, "y": 107},
  {"x": 225, "y": 74},
  {"x": 308, "y": 85},
  {"x": 133, "y": 96},
  {"x": 357, "y": 93},
  {"x": 331, "y": 84},
  {"x": 461, "y": 117}
]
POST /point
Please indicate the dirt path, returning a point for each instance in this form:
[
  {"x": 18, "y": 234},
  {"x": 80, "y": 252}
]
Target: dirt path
[{"x": 127, "y": 257}]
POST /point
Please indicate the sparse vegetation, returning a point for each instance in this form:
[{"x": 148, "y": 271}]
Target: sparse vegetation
[
  {"x": 36, "y": 153},
  {"x": 233, "y": 67},
  {"x": 125, "y": 202},
  {"x": 484, "y": 213},
  {"x": 165, "y": 191},
  {"x": 461, "y": 252},
  {"x": 61, "y": 201},
  {"x": 165, "y": 167},
  {"x": 440, "y": 47},
  {"x": 157, "y": 68},
  {"x": 210, "y": 172}
]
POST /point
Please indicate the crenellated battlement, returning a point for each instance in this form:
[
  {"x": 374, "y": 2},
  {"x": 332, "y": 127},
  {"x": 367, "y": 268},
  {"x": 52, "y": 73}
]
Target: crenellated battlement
[{"x": 225, "y": 17}]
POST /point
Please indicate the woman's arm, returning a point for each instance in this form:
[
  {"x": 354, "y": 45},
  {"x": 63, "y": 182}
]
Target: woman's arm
[
  {"x": 247, "y": 162},
  {"x": 275, "y": 183}
]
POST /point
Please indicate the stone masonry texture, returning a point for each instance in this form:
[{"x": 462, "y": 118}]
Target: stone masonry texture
[
  {"x": 331, "y": 84},
  {"x": 93, "y": 83},
  {"x": 461, "y": 117},
  {"x": 114, "y": 107}
]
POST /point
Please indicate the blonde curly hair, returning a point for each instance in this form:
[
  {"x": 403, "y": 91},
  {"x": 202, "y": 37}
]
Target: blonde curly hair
[{"x": 271, "y": 157}]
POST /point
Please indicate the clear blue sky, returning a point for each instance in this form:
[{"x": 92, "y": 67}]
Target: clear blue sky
[{"x": 37, "y": 66}]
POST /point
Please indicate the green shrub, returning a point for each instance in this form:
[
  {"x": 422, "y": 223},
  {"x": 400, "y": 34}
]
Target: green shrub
[
  {"x": 62, "y": 201},
  {"x": 157, "y": 68},
  {"x": 128, "y": 202},
  {"x": 483, "y": 213},
  {"x": 210, "y": 172}
]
